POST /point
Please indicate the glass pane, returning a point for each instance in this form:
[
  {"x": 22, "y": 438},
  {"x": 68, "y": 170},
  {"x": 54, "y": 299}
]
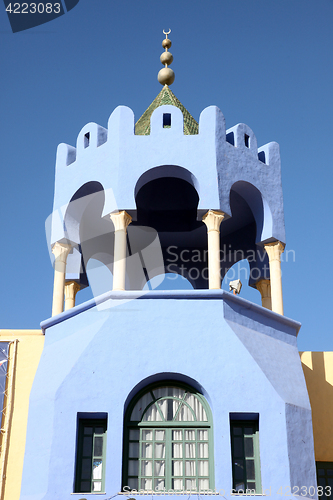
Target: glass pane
[
  {"x": 99, "y": 430},
  {"x": 202, "y": 450},
  {"x": 159, "y": 468},
  {"x": 199, "y": 411},
  {"x": 146, "y": 468},
  {"x": 153, "y": 415},
  {"x": 140, "y": 407},
  {"x": 237, "y": 431},
  {"x": 133, "y": 450},
  {"x": 147, "y": 450},
  {"x": 159, "y": 435},
  {"x": 250, "y": 469},
  {"x": 177, "y": 450},
  {"x": 88, "y": 431},
  {"x": 184, "y": 414},
  {"x": 177, "y": 468},
  {"x": 203, "y": 468},
  {"x": 248, "y": 444},
  {"x": 190, "y": 484},
  {"x": 159, "y": 484},
  {"x": 190, "y": 468},
  {"x": 190, "y": 450},
  {"x": 203, "y": 484},
  {"x": 202, "y": 435},
  {"x": 239, "y": 470},
  {"x": 240, "y": 486},
  {"x": 238, "y": 447},
  {"x": 321, "y": 482},
  {"x": 177, "y": 435},
  {"x": 133, "y": 467},
  {"x": 190, "y": 435},
  {"x": 251, "y": 485},
  {"x": 248, "y": 431},
  {"x": 159, "y": 450},
  {"x": 97, "y": 469},
  {"x": 147, "y": 484},
  {"x": 174, "y": 392},
  {"x": 87, "y": 446},
  {"x": 177, "y": 484},
  {"x": 330, "y": 472},
  {"x": 134, "y": 434},
  {"x": 86, "y": 468},
  {"x": 85, "y": 487},
  {"x": 133, "y": 483},
  {"x": 98, "y": 447},
  {"x": 97, "y": 486},
  {"x": 147, "y": 435},
  {"x": 168, "y": 408}
]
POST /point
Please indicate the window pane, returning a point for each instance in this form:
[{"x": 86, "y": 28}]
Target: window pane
[
  {"x": 146, "y": 484},
  {"x": 177, "y": 435},
  {"x": 99, "y": 430},
  {"x": 159, "y": 450},
  {"x": 97, "y": 486},
  {"x": 85, "y": 487},
  {"x": 147, "y": 435},
  {"x": 203, "y": 435},
  {"x": 133, "y": 467},
  {"x": 248, "y": 444},
  {"x": 237, "y": 431},
  {"x": 146, "y": 468},
  {"x": 239, "y": 470},
  {"x": 330, "y": 472},
  {"x": 152, "y": 414},
  {"x": 190, "y": 484},
  {"x": 98, "y": 447},
  {"x": 250, "y": 469},
  {"x": 97, "y": 469},
  {"x": 190, "y": 450},
  {"x": 184, "y": 414},
  {"x": 133, "y": 450},
  {"x": 177, "y": 468},
  {"x": 88, "y": 431},
  {"x": 248, "y": 431},
  {"x": 87, "y": 446},
  {"x": 159, "y": 468},
  {"x": 203, "y": 484},
  {"x": 159, "y": 435},
  {"x": 238, "y": 447},
  {"x": 159, "y": 484},
  {"x": 190, "y": 435},
  {"x": 240, "y": 486},
  {"x": 86, "y": 468},
  {"x": 177, "y": 450},
  {"x": 195, "y": 404},
  {"x": 147, "y": 450},
  {"x": 133, "y": 483},
  {"x": 177, "y": 484},
  {"x": 134, "y": 434},
  {"x": 140, "y": 406},
  {"x": 202, "y": 450},
  {"x": 190, "y": 468},
  {"x": 203, "y": 468}
]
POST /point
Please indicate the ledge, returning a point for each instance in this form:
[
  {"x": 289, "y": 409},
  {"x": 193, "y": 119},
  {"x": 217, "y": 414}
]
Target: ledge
[{"x": 168, "y": 295}]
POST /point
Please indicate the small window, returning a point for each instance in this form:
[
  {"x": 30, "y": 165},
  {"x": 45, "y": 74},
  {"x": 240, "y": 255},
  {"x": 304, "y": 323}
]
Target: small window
[
  {"x": 166, "y": 120},
  {"x": 325, "y": 479},
  {"x": 245, "y": 456},
  {"x": 86, "y": 139},
  {"x": 90, "y": 459},
  {"x": 247, "y": 140}
]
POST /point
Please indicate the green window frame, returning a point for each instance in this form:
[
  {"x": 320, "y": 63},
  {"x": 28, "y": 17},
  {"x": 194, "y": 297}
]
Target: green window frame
[
  {"x": 168, "y": 440},
  {"x": 90, "y": 457},
  {"x": 245, "y": 455},
  {"x": 325, "y": 479}
]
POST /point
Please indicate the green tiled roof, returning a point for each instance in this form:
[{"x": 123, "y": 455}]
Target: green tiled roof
[{"x": 166, "y": 96}]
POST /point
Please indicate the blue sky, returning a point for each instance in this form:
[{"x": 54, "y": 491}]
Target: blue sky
[{"x": 264, "y": 63}]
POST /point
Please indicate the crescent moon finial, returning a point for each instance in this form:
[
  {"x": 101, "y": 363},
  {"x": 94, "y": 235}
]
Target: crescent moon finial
[{"x": 166, "y": 33}]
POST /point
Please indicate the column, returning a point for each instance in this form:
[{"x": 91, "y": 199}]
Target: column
[
  {"x": 60, "y": 251},
  {"x": 71, "y": 289},
  {"x": 264, "y": 287},
  {"x": 120, "y": 221},
  {"x": 274, "y": 251},
  {"x": 213, "y": 219}
]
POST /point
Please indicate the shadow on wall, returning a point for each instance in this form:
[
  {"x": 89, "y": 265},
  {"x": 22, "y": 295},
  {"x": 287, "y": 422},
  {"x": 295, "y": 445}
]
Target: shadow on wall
[{"x": 318, "y": 371}]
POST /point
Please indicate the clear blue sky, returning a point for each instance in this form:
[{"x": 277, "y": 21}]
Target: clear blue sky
[{"x": 266, "y": 63}]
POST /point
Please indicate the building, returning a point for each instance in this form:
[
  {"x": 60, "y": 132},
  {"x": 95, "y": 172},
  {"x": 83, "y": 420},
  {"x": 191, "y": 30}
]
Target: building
[{"x": 167, "y": 392}]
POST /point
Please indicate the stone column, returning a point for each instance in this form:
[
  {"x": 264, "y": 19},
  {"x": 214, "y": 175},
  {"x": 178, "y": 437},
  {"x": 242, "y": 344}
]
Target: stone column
[
  {"x": 120, "y": 221},
  {"x": 60, "y": 251},
  {"x": 274, "y": 251},
  {"x": 264, "y": 287},
  {"x": 71, "y": 289},
  {"x": 213, "y": 219}
]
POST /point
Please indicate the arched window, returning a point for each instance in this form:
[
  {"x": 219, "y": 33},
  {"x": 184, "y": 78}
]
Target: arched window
[{"x": 167, "y": 440}]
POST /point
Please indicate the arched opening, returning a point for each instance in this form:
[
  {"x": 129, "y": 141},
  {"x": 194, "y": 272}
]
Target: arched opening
[{"x": 168, "y": 440}]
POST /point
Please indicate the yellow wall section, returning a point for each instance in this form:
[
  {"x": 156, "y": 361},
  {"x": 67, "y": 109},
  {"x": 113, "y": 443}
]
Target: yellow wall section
[
  {"x": 29, "y": 349},
  {"x": 318, "y": 371}
]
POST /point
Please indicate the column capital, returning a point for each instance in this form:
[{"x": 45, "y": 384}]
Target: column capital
[
  {"x": 213, "y": 219},
  {"x": 120, "y": 220},
  {"x": 61, "y": 251},
  {"x": 274, "y": 250},
  {"x": 264, "y": 287},
  {"x": 71, "y": 289}
]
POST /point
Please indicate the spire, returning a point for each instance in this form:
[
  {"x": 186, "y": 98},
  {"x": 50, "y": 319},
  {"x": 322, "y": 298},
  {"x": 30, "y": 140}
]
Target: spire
[{"x": 166, "y": 76}]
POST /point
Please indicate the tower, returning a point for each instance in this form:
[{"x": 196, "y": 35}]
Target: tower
[{"x": 171, "y": 392}]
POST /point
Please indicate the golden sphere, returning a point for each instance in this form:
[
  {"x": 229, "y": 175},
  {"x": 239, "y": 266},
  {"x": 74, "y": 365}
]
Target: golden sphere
[
  {"x": 166, "y": 44},
  {"x": 166, "y": 76},
  {"x": 166, "y": 58}
]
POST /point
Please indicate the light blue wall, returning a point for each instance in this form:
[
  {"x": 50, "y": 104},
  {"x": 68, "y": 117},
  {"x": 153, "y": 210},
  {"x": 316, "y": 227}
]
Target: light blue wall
[{"x": 243, "y": 357}]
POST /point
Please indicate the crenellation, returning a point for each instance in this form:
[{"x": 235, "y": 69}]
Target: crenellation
[
  {"x": 242, "y": 137},
  {"x": 91, "y": 136}
]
